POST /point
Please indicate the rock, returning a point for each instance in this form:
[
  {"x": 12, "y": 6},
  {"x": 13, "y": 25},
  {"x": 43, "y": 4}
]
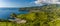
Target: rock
[
  {"x": 21, "y": 21},
  {"x": 17, "y": 20}
]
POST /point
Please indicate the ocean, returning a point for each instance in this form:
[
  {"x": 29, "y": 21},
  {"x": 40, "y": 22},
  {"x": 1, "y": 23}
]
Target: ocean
[{"x": 5, "y": 12}]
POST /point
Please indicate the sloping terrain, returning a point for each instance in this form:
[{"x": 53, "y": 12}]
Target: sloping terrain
[{"x": 47, "y": 15}]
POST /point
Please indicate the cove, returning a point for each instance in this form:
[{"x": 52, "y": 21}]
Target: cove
[{"x": 5, "y": 12}]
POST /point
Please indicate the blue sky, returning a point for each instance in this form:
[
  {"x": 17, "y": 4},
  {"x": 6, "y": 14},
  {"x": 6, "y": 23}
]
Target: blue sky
[
  {"x": 17, "y": 3},
  {"x": 26, "y": 3}
]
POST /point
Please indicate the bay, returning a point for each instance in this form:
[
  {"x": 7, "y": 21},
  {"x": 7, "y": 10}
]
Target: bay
[{"x": 5, "y": 12}]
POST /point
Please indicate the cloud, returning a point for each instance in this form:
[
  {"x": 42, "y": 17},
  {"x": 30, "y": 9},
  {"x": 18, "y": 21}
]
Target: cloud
[{"x": 47, "y": 2}]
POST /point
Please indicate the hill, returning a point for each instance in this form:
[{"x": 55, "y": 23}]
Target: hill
[{"x": 48, "y": 15}]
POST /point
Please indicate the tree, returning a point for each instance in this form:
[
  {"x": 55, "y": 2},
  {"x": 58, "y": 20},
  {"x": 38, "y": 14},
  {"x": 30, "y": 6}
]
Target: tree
[{"x": 13, "y": 15}]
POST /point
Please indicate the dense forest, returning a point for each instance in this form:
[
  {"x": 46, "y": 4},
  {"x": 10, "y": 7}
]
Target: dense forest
[{"x": 47, "y": 15}]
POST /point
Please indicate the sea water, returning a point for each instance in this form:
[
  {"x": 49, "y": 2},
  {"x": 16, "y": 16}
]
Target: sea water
[{"x": 5, "y": 12}]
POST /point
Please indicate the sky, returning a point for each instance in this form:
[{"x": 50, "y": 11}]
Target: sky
[
  {"x": 16, "y": 3},
  {"x": 26, "y": 3}
]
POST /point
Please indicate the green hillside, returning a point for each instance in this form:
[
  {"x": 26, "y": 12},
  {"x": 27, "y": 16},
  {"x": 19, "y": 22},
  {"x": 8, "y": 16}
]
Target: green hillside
[{"x": 48, "y": 15}]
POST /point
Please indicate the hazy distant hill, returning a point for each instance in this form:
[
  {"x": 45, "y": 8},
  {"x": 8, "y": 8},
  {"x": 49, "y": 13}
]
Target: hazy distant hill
[{"x": 38, "y": 7}]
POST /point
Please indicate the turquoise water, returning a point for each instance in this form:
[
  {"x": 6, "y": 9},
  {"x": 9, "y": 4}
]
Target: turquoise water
[{"x": 5, "y": 12}]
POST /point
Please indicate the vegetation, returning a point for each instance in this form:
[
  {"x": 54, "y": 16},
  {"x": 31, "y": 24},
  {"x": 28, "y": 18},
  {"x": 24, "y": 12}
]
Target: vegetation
[{"x": 48, "y": 15}]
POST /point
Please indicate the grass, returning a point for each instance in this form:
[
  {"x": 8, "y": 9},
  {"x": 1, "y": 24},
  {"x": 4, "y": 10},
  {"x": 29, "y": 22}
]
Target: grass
[
  {"x": 6, "y": 24},
  {"x": 10, "y": 24}
]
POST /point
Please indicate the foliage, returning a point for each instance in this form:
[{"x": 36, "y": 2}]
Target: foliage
[
  {"x": 45, "y": 17},
  {"x": 13, "y": 15},
  {"x": 48, "y": 15}
]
